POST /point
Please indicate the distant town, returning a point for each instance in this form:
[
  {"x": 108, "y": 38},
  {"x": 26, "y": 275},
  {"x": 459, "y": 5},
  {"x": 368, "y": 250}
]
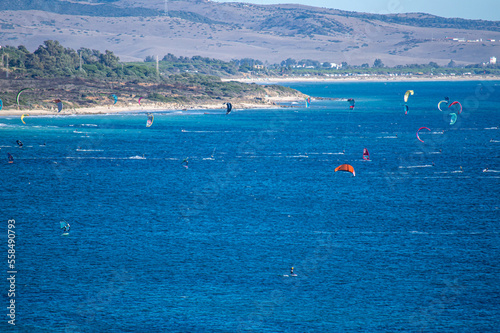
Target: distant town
[{"x": 19, "y": 63}]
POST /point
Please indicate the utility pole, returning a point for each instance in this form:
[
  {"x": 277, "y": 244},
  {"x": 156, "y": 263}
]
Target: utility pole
[
  {"x": 157, "y": 67},
  {"x": 80, "y": 61}
]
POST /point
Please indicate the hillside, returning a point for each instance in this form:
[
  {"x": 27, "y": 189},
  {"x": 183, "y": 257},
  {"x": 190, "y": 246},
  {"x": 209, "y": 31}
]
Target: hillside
[
  {"x": 54, "y": 72},
  {"x": 182, "y": 91},
  {"x": 135, "y": 29}
]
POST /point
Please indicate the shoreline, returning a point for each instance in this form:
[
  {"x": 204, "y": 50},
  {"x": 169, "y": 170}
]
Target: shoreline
[
  {"x": 268, "y": 103},
  {"x": 156, "y": 107},
  {"x": 361, "y": 78}
]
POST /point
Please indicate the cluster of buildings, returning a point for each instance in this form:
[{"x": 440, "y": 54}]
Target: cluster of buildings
[
  {"x": 493, "y": 61},
  {"x": 463, "y": 40},
  {"x": 330, "y": 65}
]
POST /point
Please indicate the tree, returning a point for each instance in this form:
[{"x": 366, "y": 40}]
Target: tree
[
  {"x": 109, "y": 59},
  {"x": 378, "y": 63},
  {"x": 33, "y": 62},
  {"x": 23, "y": 49},
  {"x": 289, "y": 62},
  {"x": 169, "y": 57},
  {"x": 451, "y": 64}
]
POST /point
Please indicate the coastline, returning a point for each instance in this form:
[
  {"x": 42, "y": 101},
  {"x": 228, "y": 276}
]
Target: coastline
[
  {"x": 270, "y": 102},
  {"x": 362, "y": 78}
]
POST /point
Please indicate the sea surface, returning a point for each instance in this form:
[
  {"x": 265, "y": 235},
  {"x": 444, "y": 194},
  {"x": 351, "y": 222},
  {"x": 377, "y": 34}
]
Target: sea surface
[{"x": 410, "y": 243}]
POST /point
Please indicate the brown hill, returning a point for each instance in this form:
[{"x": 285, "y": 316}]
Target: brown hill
[
  {"x": 134, "y": 29},
  {"x": 181, "y": 91}
]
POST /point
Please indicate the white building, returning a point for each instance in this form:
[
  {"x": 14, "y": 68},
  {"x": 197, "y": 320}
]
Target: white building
[
  {"x": 334, "y": 65},
  {"x": 493, "y": 60}
]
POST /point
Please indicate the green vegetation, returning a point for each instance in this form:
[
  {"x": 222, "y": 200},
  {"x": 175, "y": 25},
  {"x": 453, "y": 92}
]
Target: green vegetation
[
  {"x": 52, "y": 60},
  {"x": 282, "y": 20},
  {"x": 378, "y": 68},
  {"x": 84, "y": 9},
  {"x": 88, "y": 77},
  {"x": 291, "y": 22},
  {"x": 430, "y": 21}
]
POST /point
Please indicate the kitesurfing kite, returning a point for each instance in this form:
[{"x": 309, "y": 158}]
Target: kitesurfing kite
[
  {"x": 19, "y": 94},
  {"x": 1, "y": 105},
  {"x": 418, "y": 137},
  {"x": 439, "y": 104},
  {"x": 139, "y": 100},
  {"x": 229, "y": 108},
  {"x": 456, "y": 103},
  {"x": 11, "y": 159},
  {"x": 366, "y": 154},
  {"x": 308, "y": 102},
  {"x": 59, "y": 104},
  {"x": 22, "y": 117},
  {"x": 114, "y": 97},
  {"x": 408, "y": 93},
  {"x": 65, "y": 227},
  {"x": 351, "y": 102},
  {"x": 346, "y": 167},
  {"x": 151, "y": 118},
  {"x": 453, "y": 118}
]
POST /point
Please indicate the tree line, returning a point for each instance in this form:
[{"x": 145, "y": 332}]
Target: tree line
[{"x": 52, "y": 60}]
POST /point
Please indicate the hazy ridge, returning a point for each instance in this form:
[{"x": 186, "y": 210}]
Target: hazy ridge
[{"x": 134, "y": 29}]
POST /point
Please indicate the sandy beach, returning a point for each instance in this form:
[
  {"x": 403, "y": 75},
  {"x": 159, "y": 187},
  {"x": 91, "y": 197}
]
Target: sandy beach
[
  {"x": 363, "y": 78},
  {"x": 270, "y": 102}
]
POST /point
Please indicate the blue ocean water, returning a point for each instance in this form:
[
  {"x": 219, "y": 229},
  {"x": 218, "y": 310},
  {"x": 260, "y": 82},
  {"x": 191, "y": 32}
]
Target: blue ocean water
[{"x": 411, "y": 243}]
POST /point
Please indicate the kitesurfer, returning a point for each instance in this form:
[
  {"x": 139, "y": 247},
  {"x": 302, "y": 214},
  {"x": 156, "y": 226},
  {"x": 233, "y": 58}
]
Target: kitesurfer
[
  {"x": 229, "y": 108},
  {"x": 291, "y": 271},
  {"x": 65, "y": 226},
  {"x": 185, "y": 161},
  {"x": 19, "y": 143}
]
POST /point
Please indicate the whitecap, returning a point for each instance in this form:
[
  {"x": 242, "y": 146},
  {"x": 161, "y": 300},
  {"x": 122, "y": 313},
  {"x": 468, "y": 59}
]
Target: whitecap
[
  {"x": 89, "y": 149},
  {"x": 415, "y": 166}
]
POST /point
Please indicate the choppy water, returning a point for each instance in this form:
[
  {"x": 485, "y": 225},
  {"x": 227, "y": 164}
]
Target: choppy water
[{"x": 409, "y": 244}]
